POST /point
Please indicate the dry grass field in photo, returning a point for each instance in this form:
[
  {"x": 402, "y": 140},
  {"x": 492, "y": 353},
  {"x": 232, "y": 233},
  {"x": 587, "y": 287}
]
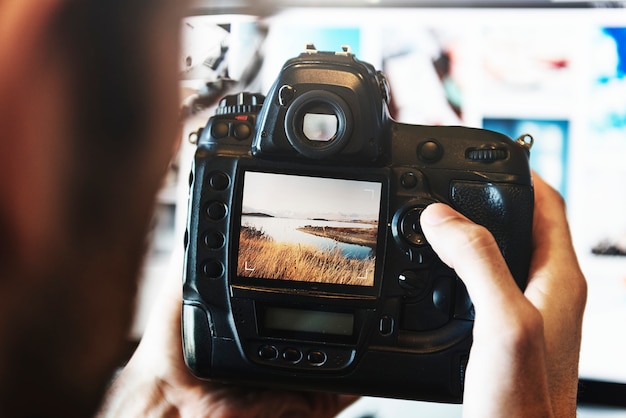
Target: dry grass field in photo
[{"x": 262, "y": 257}]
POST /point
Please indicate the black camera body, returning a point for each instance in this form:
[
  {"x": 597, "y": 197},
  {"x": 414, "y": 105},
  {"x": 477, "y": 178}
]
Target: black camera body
[{"x": 306, "y": 267}]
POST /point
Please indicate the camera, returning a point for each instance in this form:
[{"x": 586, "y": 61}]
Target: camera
[{"x": 305, "y": 263}]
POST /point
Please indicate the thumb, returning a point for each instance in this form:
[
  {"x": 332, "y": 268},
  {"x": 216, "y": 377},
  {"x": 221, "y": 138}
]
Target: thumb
[{"x": 473, "y": 253}]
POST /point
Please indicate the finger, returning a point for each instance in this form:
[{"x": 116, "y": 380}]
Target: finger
[
  {"x": 508, "y": 332},
  {"x": 553, "y": 249},
  {"x": 245, "y": 402},
  {"x": 473, "y": 253},
  {"x": 558, "y": 289},
  {"x": 556, "y": 285}
]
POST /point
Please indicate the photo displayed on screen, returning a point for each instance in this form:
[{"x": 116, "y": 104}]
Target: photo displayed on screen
[{"x": 308, "y": 229}]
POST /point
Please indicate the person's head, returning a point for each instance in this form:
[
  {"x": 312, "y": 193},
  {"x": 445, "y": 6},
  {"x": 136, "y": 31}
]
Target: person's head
[{"x": 88, "y": 124}]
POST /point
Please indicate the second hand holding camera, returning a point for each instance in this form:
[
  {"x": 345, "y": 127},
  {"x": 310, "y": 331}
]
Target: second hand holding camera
[{"x": 306, "y": 267}]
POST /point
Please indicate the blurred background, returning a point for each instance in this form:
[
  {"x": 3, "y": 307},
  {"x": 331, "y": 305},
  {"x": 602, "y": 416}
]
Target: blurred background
[{"x": 555, "y": 70}]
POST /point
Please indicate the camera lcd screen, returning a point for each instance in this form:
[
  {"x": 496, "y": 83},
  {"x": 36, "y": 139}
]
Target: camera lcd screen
[
  {"x": 308, "y": 229},
  {"x": 285, "y": 319}
]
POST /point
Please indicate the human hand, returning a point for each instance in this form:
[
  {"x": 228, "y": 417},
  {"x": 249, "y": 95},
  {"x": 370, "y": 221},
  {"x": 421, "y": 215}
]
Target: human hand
[
  {"x": 157, "y": 383},
  {"x": 524, "y": 359}
]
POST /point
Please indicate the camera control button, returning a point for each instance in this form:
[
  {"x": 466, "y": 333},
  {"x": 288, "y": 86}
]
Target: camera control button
[
  {"x": 268, "y": 352},
  {"x": 487, "y": 154},
  {"x": 242, "y": 131},
  {"x": 216, "y": 210},
  {"x": 213, "y": 269},
  {"x": 408, "y": 180},
  {"x": 410, "y": 227},
  {"x": 316, "y": 357},
  {"x": 443, "y": 290},
  {"x": 292, "y": 355},
  {"x": 420, "y": 255},
  {"x": 219, "y": 130},
  {"x": 430, "y": 151},
  {"x": 219, "y": 181},
  {"x": 213, "y": 240}
]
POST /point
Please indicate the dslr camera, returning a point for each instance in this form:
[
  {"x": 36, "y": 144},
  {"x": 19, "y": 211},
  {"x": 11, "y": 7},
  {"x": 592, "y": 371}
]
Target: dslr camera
[{"x": 306, "y": 266}]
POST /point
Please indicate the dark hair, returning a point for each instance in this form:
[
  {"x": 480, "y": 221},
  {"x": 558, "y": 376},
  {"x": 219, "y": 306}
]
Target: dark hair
[
  {"x": 110, "y": 95},
  {"x": 110, "y": 186}
]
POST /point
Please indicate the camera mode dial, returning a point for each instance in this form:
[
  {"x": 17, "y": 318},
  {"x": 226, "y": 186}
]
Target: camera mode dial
[
  {"x": 235, "y": 118},
  {"x": 487, "y": 154},
  {"x": 243, "y": 102}
]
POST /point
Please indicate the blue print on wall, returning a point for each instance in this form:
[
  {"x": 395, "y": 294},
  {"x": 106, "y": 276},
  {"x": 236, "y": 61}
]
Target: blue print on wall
[{"x": 548, "y": 155}]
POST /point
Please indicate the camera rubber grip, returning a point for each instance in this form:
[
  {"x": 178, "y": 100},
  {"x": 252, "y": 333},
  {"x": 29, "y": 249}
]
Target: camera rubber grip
[
  {"x": 506, "y": 210},
  {"x": 197, "y": 344}
]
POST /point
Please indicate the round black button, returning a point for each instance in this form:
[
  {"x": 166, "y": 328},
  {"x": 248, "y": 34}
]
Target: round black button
[
  {"x": 219, "y": 130},
  {"x": 292, "y": 355},
  {"x": 443, "y": 289},
  {"x": 268, "y": 352},
  {"x": 316, "y": 357},
  {"x": 216, "y": 210},
  {"x": 213, "y": 240},
  {"x": 430, "y": 151},
  {"x": 408, "y": 180},
  {"x": 219, "y": 181},
  {"x": 213, "y": 269},
  {"x": 242, "y": 131}
]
